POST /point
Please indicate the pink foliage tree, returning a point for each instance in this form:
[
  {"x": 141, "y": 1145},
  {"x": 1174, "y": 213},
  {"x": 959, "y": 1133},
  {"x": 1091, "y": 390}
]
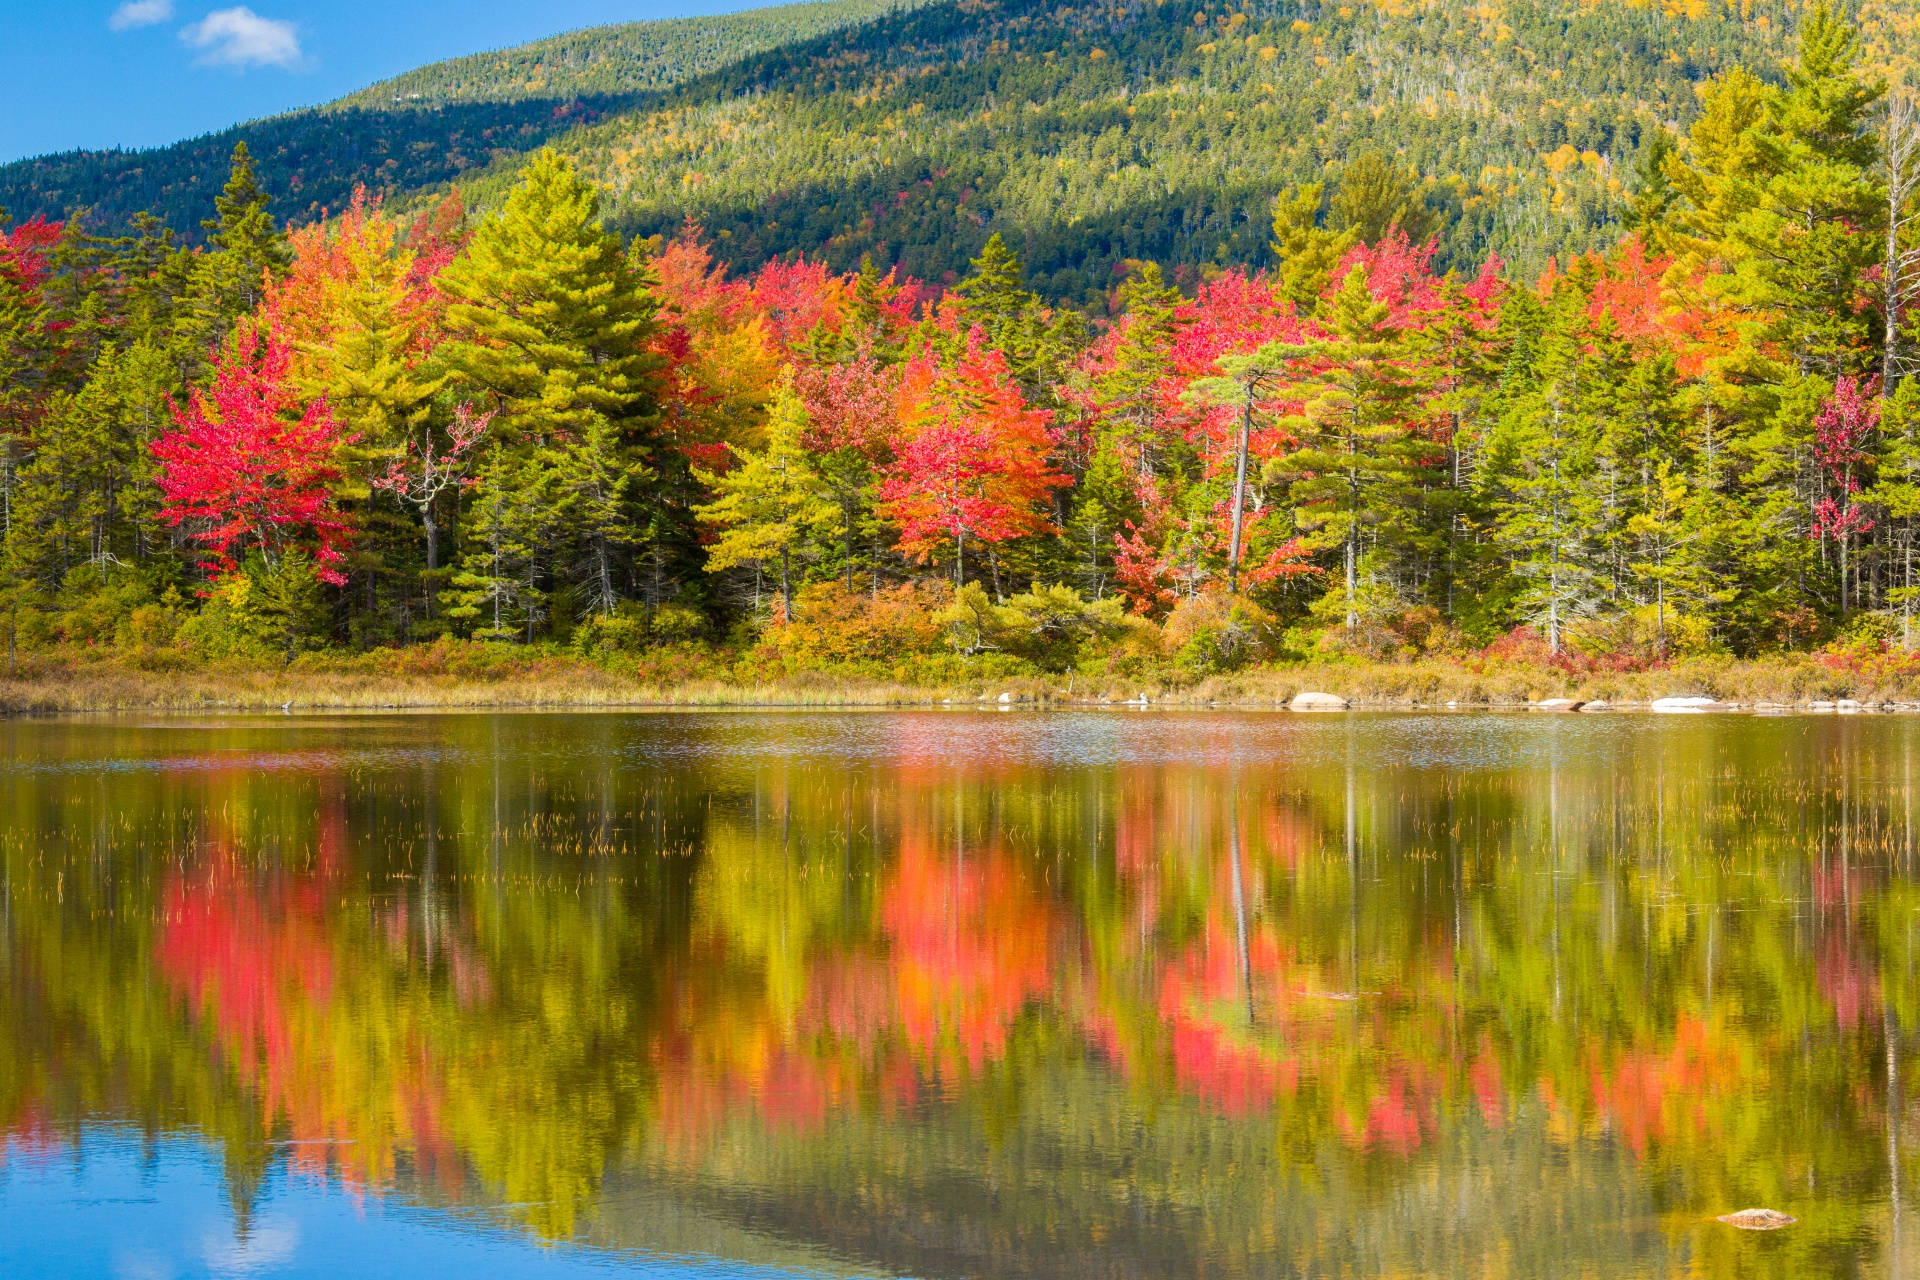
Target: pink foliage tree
[
  {"x": 244, "y": 474},
  {"x": 1840, "y": 436}
]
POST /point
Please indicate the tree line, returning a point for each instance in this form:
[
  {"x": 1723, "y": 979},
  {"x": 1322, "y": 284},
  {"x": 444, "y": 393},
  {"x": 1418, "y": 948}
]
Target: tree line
[{"x": 381, "y": 430}]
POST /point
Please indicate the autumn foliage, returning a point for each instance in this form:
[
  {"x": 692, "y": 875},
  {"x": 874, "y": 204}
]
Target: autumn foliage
[{"x": 249, "y": 468}]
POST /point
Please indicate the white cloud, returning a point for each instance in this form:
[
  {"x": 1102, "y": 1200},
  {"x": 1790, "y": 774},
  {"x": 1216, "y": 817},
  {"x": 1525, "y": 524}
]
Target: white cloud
[
  {"x": 140, "y": 13},
  {"x": 242, "y": 38},
  {"x": 268, "y": 1246}
]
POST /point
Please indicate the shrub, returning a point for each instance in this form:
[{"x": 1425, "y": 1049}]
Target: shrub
[
  {"x": 1638, "y": 639},
  {"x": 870, "y": 632},
  {"x": 1214, "y": 633},
  {"x": 1878, "y": 660}
]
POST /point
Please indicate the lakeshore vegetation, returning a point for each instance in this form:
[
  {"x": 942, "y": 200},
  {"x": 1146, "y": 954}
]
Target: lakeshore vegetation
[{"x": 509, "y": 432}]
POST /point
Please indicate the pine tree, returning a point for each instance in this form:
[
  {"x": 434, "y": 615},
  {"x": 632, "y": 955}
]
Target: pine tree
[
  {"x": 1036, "y": 340},
  {"x": 1779, "y": 188},
  {"x": 1361, "y": 465},
  {"x": 597, "y": 483},
  {"x": 550, "y": 325},
  {"x": 1667, "y": 539},
  {"x": 772, "y": 502},
  {"x": 1376, "y": 196},
  {"x": 1306, "y": 251},
  {"x": 549, "y": 319},
  {"x": 87, "y": 496},
  {"x": 245, "y": 251},
  {"x": 509, "y": 517},
  {"x": 1541, "y": 466}
]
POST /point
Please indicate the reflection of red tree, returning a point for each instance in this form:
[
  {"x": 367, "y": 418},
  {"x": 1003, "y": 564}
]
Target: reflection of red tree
[
  {"x": 1847, "y": 979},
  {"x": 1401, "y": 1106},
  {"x": 242, "y": 955},
  {"x": 1488, "y": 1089},
  {"x": 727, "y": 1054},
  {"x": 1635, "y": 1092},
  {"x": 29, "y": 1136},
  {"x": 972, "y": 940},
  {"x": 253, "y": 953},
  {"x": 1203, "y": 1000}
]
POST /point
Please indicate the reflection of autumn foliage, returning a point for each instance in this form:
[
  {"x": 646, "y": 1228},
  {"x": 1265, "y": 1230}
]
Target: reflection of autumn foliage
[
  {"x": 1646, "y": 1094},
  {"x": 851, "y": 968},
  {"x": 256, "y": 959},
  {"x": 244, "y": 959},
  {"x": 972, "y": 941},
  {"x": 1847, "y": 979},
  {"x": 1216, "y": 1055}
]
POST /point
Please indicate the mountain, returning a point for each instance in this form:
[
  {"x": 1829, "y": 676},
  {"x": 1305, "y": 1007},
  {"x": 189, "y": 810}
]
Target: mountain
[
  {"x": 1088, "y": 133},
  {"x": 423, "y": 128}
]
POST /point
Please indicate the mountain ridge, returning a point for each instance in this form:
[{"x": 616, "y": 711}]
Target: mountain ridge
[{"x": 1090, "y": 134}]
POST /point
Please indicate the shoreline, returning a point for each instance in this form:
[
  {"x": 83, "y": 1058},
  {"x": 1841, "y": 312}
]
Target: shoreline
[{"x": 453, "y": 679}]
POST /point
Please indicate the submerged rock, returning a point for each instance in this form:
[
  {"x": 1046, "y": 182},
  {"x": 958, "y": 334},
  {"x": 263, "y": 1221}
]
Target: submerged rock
[
  {"x": 1758, "y": 1219},
  {"x": 1318, "y": 702}
]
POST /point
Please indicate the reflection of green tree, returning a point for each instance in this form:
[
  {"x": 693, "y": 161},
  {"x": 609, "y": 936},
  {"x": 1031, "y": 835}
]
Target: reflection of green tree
[{"x": 1659, "y": 959}]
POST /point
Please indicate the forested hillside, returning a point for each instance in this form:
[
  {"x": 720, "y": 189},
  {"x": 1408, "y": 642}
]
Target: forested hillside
[
  {"x": 421, "y": 129},
  {"x": 1086, "y": 134},
  {"x": 505, "y": 422}
]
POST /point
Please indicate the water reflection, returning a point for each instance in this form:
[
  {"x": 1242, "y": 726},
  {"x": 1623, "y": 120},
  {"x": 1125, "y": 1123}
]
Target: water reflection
[{"x": 962, "y": 994}]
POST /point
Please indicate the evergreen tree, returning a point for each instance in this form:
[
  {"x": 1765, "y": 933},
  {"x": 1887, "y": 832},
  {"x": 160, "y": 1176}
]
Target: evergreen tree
[
  {"x": 87, "y": 496},
  {"x": 597, "y": 482},
  {"x": 245, "y": 251},
  {"x": 1361, "y": 466},
  {"x": 1305, "y": 251},
  {"x": 549, "y": 319},
  {"x": 1036, "y": 340},
  {"x": 1376, "y": 196},
  {"x": 771, "y": 503},
  {"x": 1779, "y": 188},
  {"x": 550, "y": 325},
  {"x": 508, "y": 518},
  {"x": 1542, "y": 465}
]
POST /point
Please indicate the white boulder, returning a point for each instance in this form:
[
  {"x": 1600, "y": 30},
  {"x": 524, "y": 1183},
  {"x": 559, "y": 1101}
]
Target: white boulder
[
  {"x": 1684, "y": 705},
  {"x": 1317, "y": 702}
]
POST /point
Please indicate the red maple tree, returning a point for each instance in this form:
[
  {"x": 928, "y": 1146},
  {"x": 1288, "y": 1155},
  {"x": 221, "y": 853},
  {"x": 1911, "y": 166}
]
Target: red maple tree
[
  {"x": 243, "y": 473},
  {"x": 974, "y": 461},
  {"x": 1840, "y": 436}
]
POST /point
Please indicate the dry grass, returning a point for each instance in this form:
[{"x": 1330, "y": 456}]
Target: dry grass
[
  {"x": 1790, "y": 678},
  {"x": 473, "y": 677},
  {"x": 66, "y": 685}
]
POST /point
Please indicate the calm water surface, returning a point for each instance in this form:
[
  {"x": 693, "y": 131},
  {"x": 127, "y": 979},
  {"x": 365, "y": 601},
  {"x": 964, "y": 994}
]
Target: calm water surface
[{"x": 1100, "y": 995}]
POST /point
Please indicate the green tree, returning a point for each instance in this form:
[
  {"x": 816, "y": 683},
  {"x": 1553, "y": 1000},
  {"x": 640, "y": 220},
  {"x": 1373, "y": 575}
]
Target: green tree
[
  {"x": 245, "y": 249},
  {"x": 1375, "y": 196},
  {"x": 1780, "y": 190},
  {"x": 86, "y": 496},
  {"x": 1361, "y": 466},
  {"x": 1541, "y": 467},
  {"x": 1037, "y": 340},
  {"x": 772, "y": 502},
  {"x": 1306, "y": 252},
  {"x": 549, "y": 318},
  {"x": 508, "y": 516}
]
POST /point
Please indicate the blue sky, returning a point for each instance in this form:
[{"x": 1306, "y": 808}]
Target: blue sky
[{"x": 139, "y": 73}]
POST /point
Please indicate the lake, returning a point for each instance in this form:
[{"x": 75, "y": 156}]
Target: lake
[{"x": 1127, "y": 995}]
